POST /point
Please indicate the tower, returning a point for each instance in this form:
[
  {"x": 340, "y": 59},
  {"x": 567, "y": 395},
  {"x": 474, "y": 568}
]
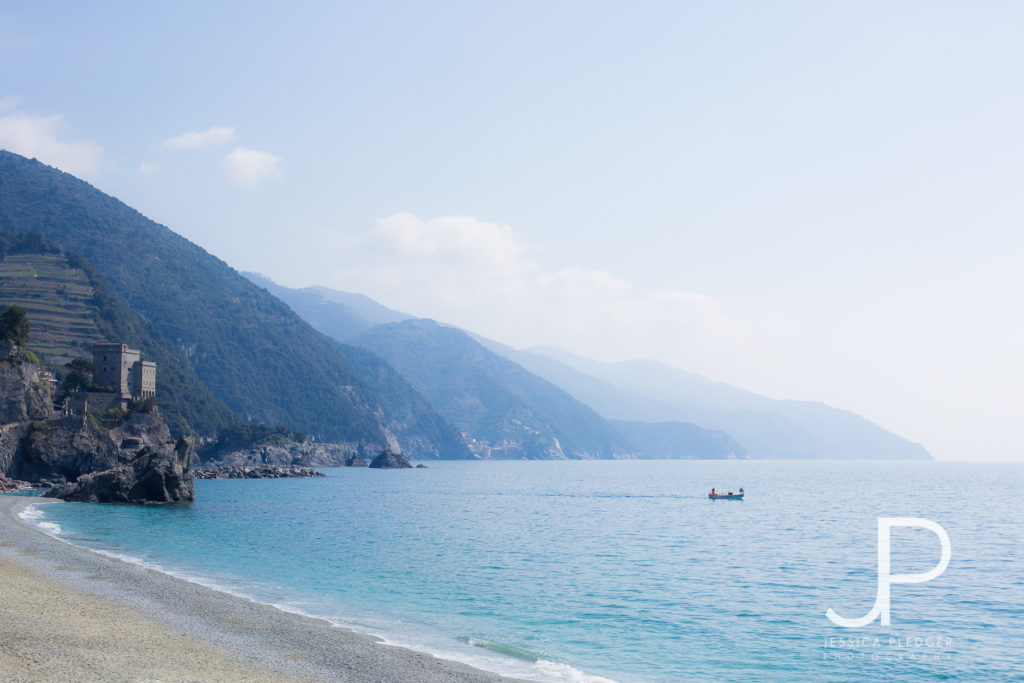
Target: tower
[{"x": 122, "y": 369}]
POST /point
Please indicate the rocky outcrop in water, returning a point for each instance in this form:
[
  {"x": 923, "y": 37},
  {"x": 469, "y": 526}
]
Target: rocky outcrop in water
[
  {"x": 390, "y": 460},
  {"x": 11, "y": 484},
  {"x": 304, "y": 453},
  {"x": 256, "y": 472},
  {"x": 152, "y": 475},
  {"x": 356, "y": 461}
]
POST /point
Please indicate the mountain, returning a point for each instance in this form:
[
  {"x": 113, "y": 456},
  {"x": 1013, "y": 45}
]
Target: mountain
[
  {"x": 339, "y": 315},
  {"x": 648, "y": 391},
  {"x": 679, "y": 441},
  {"x": 252, "y": 352},
  {"x": 70, "y": 307},
  {"x": 361, "y": 305},
  {"x": 420, "y": 430},
  {"x": 506, "y": 410},
  {"x": 472, "y": 403}
]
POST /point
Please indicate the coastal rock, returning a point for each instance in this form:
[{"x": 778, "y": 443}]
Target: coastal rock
[
  {"x": 11, "y": 438},
  {"x": 23, "y": 396},
  {"x": 355, "y": 461},
  {"x": 62, "y": 450},
  {"x": 153, "y": 475},
  {"x": 304, "y": 453},
  {"x": 11, "y": 484},
  {"x": 390, "y": 460},
  {"x": 256, "y": 472}
]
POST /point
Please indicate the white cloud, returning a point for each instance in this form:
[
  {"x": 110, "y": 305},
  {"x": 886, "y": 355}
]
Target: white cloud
[
  {"x": 146, "y": 168},
  {"x": 37, "y": 136},
  {"x": 492, "y": 280},
  {"x": 215, "y": 135},
  {"x": 584, "y": 282},
  {"x": 249, "y": 167},
  {"x": 452, "y": 239}
]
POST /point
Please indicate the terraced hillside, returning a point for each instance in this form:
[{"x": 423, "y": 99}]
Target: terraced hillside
[{"x": 58, "y": 299}]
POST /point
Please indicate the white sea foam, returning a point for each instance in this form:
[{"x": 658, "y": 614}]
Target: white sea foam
[
  {"x": 564, "y": 672},
  {"x": 443, "y": 647},
  {"x": 34, "y": 516}
]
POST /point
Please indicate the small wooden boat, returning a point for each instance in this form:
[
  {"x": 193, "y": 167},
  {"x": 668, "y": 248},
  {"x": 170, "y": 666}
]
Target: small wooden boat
[{"x": 726, "y": 496}]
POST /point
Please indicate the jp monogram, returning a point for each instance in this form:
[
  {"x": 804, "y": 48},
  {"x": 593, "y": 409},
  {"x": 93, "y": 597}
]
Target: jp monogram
[{"x": 886, "y": 579}]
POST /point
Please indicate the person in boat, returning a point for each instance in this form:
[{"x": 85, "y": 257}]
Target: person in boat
[{"x": 712, "y": 492}]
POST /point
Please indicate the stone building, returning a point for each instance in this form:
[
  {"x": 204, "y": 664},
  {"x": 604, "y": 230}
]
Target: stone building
[
  {"x": 144, "y": 379},
  {"x": 123, "y": 369}
]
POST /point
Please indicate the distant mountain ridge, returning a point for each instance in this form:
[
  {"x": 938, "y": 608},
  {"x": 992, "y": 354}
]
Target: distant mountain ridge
[
  {"x": 649, "y": 391},
  {"x": 679, "y": 441},
  {"x": 339, "y": 315},
  {"x": 251, "y": 351},
  {"x": 342, "y": 316},
  {"x": 506, "y": 410},
  {"x": 662, "y": 412}
]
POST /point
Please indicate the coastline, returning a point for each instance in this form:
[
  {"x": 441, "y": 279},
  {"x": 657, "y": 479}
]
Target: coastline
[{"x": 105, "y": 619}]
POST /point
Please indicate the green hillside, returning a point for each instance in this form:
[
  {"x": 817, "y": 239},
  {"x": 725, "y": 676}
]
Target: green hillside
[
  {"x": 70, "y": 307},
  {"x": 253, "y": 353}
]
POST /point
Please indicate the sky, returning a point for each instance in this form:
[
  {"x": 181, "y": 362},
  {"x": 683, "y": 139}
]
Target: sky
[{"x": 816, "y": 201}]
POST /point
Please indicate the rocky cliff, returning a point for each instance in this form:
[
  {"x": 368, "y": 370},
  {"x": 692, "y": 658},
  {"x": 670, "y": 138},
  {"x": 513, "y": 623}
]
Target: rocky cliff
[
  {"x": 130, "y": 459},
  {"x": 61, "y": 451},
  {"x": 11, "y": 438},
  {"x": 152, "y": 475},
  {"x": 23, "y": 394}
]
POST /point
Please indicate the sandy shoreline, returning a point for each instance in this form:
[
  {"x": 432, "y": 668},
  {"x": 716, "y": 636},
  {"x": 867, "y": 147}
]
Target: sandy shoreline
[{"x": 70, "y": 614}]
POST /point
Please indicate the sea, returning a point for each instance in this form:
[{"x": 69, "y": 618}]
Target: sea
[{"x": 616, "y": 570}]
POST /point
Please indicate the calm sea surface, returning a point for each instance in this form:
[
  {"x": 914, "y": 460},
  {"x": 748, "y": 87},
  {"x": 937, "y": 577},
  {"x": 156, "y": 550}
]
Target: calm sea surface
[{"x": 621, "y": 570}]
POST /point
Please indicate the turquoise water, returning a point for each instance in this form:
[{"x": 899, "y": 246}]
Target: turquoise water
[{"x": 621, "y": 570}]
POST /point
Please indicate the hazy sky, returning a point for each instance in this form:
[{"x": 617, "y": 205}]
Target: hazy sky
[{"x": 809, "y": 200}]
